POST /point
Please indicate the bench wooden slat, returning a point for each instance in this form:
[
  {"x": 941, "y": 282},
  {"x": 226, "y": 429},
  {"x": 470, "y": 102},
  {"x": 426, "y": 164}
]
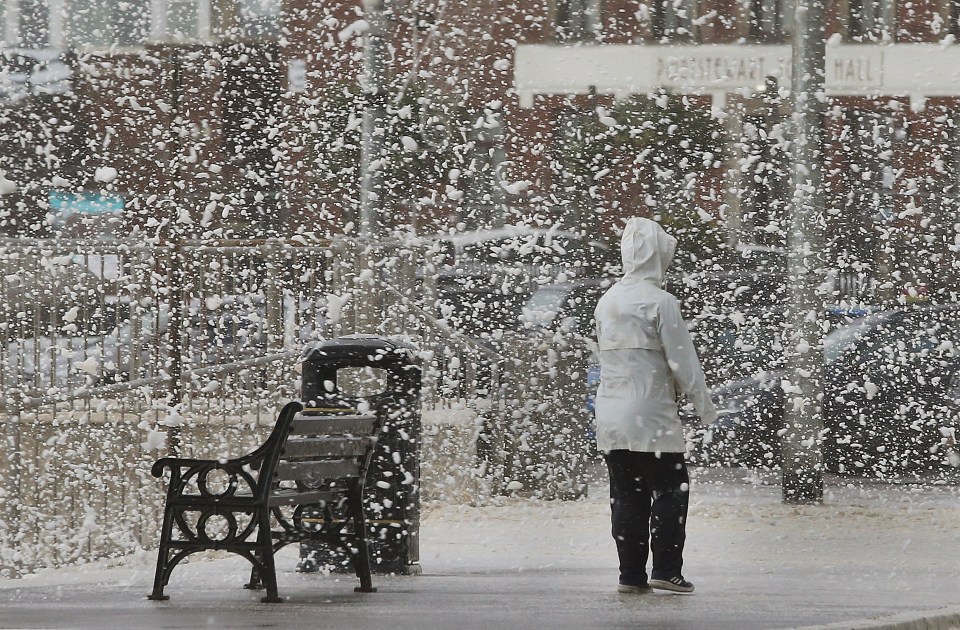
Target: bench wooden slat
[
  {"x": 325, "y": 425},
  {"x": 328, "y": 469},
  {"x": 304, "y": 497},
  {"x": 330, "y": 446}
]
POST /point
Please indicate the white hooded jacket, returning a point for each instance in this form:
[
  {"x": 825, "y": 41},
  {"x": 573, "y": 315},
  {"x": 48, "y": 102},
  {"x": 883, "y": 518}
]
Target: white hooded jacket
[{"x": 646, "y": 354}]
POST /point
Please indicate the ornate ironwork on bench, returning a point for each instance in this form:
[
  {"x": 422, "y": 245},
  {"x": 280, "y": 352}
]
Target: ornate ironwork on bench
[{"x": 254, "y": 505}]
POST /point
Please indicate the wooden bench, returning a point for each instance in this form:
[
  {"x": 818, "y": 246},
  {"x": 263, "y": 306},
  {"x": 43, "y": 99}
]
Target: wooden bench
[{"x": 256, "y": 504}]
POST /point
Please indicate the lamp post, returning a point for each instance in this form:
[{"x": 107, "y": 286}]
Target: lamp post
[
  {"x": 373, "y": 86},
  {"x": 803, "y": 415}
]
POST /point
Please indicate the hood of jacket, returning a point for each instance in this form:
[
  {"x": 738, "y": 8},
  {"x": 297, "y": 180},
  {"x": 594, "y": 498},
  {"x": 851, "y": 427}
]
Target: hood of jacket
[{"x": 646, "y": 250}]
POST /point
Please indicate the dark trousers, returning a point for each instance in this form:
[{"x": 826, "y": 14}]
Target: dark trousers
[{"x": 649, "y": 495}]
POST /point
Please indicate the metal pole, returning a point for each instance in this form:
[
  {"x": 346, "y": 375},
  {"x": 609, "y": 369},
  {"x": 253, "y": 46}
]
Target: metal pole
[
  {"x": 734, "y": 177},
  {"x": 179, "y": 287},
  {"x": 272, "y": 254},
  {"x": 803, "y": 417},
  {"x": 372, "y": 154},
  {"x": 10, "y": 495}
]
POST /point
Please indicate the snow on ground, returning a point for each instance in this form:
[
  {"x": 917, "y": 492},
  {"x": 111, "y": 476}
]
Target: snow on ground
[
  {"x": 871, "y": 550},
  {"x": 905, "y": 524}
]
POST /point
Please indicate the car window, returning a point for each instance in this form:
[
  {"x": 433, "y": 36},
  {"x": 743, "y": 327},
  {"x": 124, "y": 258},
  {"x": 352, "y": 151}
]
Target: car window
[
  {"x": 564, "y": 308},
  {"x": 911, "y": 340},
  {"x": 544, "y": 306},
  {"x": 928, "y": 335},
  {"x": 844, "y": 338},
  {"x": 739, "y": 344},
  {"x": 576, "y": 315}
]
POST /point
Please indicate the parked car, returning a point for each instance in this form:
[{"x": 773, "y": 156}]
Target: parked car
[
  {"x": 891, "y": 382},
  {"x": 739, "y": 343},
  {"x": 565, "y": 307},
  {"x": 562, "y": 315},
  {"x": 222, "y": 331},
  {"x": 40, "y": 292},
  {"x": 484, "y": 277}
]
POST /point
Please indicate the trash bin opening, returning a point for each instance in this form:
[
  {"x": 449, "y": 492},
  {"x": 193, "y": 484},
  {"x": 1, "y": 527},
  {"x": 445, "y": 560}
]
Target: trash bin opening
[{"x": 361, "y": 382}]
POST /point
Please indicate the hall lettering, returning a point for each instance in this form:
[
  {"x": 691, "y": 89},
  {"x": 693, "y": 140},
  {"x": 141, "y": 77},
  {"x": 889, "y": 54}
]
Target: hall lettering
[{"x": 857, "y": 70}]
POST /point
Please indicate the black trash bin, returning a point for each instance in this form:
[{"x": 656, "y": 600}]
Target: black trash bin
[{"x": 392, "y": 490}]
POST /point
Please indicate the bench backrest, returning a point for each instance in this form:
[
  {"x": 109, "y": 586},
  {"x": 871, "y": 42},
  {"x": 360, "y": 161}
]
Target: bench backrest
[{"x": 316, "y": 452}]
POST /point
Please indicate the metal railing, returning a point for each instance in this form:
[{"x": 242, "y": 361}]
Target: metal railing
[{"x": 114, "y": 353}]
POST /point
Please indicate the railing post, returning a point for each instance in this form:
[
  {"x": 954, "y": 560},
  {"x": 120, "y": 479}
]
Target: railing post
[
  {"x": 367, "y": 298},
  {"x": 355, "y": 288},
  {"x": 342, "y": 272},
  {"x": 11, "y": 407},
  {"x": 272, "y": 253}
]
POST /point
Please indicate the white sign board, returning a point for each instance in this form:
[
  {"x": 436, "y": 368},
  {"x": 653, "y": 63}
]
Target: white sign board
[
  {"x": 728, "y": 70},
  {"x": 915, "y": 70},
  {"x": 854, "y": 68}
]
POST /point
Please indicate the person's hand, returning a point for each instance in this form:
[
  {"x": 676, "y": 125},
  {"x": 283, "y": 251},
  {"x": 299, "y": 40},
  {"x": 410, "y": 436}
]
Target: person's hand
[{"x": 709, "y": 415}]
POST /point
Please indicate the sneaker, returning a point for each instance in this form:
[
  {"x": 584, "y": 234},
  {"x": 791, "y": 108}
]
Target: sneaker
[
  {"x": 676, "y": 584},
  {"x": 633, "y": 588}
]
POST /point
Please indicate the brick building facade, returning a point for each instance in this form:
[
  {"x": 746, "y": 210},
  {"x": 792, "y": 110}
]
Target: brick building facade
[
  {"x": 489, "y": 104},
  {"x": 891, "y": 144},
  {"x": 161, "y": 114}
]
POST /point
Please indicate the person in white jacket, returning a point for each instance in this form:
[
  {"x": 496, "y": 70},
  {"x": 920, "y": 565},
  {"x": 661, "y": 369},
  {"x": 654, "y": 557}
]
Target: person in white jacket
[{"x": 647, "y": 360}]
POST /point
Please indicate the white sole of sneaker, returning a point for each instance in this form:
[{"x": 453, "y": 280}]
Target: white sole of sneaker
[
  {"x": 630, "y": 588},
  {"x": 664, "y": 585}
]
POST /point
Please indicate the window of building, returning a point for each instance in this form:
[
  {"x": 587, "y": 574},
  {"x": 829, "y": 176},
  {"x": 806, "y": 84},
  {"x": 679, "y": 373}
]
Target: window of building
[
  {"x": 26, "y": 24},
  {"x": 952, "y": 17},
  {"x": 188, "y": 19},
  {"x": 870, "y": 20},
  {"x": 577, "y": 20},
  {"x": 133, "y": 22},
  {"x": 108, "y": 23},
  {"x": 673, "y": 19},
  {"x": 33, "y": 24},
  {"x": 771, "y": 20},
  {"x": 483, "y": 195},
  {"x": 947, "y": 164},
  {"x": 867, "y": 139},
  {"x": 259, "y": 19}
]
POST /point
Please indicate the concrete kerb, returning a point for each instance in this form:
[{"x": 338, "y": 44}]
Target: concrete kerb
[{"x": 939, "y": 619}]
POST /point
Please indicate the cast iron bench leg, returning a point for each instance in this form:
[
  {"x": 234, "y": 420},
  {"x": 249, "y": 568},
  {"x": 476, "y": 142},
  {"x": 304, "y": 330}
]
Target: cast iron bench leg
[
  {"x": 163, "y": 556},
  {"x": 361, "y": 559},
  {"x": 268, "y": 575}
]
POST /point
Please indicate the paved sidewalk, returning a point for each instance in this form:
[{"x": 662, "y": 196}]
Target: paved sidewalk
[{"x": 871, "y": 552}]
